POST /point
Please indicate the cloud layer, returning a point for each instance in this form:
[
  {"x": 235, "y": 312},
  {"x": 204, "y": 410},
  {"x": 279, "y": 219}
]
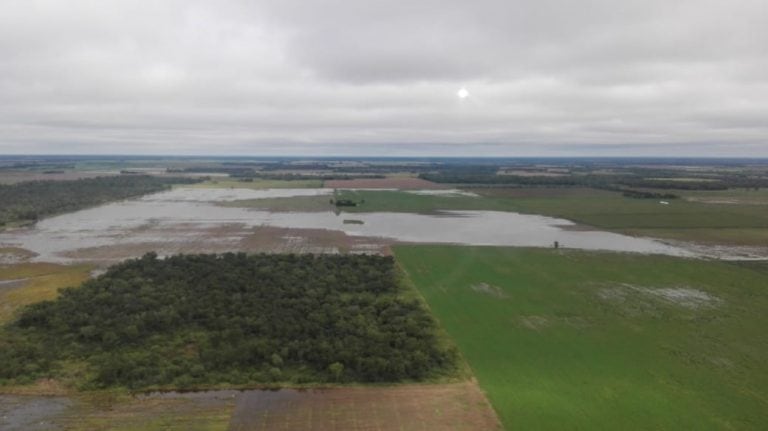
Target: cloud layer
[{"x": 546, "y": 77}]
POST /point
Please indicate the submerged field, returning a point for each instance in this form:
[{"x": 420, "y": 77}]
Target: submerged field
[
  {"x": 583, "y": 340},
  {"x": 732, "y": 217}
]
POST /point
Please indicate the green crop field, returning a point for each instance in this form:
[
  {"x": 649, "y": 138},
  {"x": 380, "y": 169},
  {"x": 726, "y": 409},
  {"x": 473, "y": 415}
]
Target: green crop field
[{"x": 586, "y": 340}]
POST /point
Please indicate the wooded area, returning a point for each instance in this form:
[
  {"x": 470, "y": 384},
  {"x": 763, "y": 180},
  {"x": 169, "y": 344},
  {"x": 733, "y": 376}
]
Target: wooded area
[
  {"x": 191, "y": 320},
  {"x": 32, "y": 200}
]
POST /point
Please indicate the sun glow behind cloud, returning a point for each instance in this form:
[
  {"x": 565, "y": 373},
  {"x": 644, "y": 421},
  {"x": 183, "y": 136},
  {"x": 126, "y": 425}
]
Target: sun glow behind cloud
[{"x": 245, "y": 76}]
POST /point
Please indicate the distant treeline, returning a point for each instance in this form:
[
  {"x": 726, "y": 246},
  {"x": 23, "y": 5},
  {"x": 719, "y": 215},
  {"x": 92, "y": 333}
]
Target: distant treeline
[
  {"x": 32, "y": 200},
  {"x": 647, "y": 195},
  {"x": 41, "y": 165},
  {"x": 196, "y": 320},
  {"x": 482, "y": 177},
  {"x": 250, "y": 173}
]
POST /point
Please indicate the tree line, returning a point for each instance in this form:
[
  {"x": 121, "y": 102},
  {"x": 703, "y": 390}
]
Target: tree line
[
  {"x": 608, "y": 182},
  {"x": 32, "y": 200},
  {"x": 192, "y": 320}
]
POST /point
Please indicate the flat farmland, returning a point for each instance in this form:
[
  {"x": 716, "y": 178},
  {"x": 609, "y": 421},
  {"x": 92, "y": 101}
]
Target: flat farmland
[{"x": 586, "y": 340}]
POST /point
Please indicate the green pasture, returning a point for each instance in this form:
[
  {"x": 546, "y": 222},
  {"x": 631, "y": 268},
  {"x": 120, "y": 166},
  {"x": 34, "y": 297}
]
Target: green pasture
[{"x": 586, "y": 340}]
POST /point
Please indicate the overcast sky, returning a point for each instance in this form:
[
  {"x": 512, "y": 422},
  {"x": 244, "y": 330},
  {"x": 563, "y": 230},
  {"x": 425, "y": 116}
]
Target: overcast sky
[{"x": 361, "y": 77}]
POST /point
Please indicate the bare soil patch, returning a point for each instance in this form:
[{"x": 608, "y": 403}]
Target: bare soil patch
[
  {"x": 21, "y": 413},
  {"x": 456, "y": 406},
  {"x": 460, "y": 406},
  {"x": 405, "y": 183},
  {"x": 107, "y": 411}
]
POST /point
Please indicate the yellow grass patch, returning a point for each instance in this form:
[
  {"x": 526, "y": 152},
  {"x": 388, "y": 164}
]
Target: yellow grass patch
[{"x": 37, "y": 282}]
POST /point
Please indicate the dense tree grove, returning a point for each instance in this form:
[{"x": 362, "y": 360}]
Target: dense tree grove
[
  {"x": 29, "y": 201},
  {"x": 191, "y": 320}
]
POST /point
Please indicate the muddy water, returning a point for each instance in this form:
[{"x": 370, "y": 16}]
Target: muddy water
[{"x": 180, "y": 215}]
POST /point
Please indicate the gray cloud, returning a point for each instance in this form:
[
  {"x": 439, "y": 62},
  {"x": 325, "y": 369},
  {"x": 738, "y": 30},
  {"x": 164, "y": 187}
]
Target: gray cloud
[{"x": 546, "y": 77}]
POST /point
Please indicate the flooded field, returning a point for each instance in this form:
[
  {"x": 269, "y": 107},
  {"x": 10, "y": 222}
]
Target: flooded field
[
  {"x": 188, "y": 220},
  {"x": 401, "y": 183},
  {"x": 191, "y": 194}
]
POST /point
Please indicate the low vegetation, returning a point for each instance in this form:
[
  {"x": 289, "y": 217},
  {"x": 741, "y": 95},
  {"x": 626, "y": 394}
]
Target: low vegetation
[
  {"x": 603, "y": 340},
  {"x": 32, "y": 200},
  {"x": 201, "y": 320},
  {"x": 26, "y": 283}
]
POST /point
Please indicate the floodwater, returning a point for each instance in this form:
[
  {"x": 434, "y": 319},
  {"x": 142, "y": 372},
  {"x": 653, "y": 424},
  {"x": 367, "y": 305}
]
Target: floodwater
[
  {"x": 181, "y": 214},
  {"x": 186, "y": 194}
]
